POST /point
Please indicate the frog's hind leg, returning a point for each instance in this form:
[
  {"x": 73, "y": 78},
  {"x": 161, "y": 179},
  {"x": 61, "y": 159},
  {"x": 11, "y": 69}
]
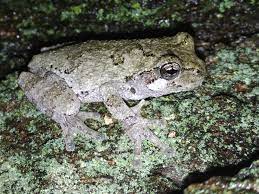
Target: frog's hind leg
[{"x": 55, "y": 98}]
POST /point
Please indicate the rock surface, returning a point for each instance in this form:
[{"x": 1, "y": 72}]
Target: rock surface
[
  {"x": 246, "y": 181},
  {"x": 213, "y": 126}
]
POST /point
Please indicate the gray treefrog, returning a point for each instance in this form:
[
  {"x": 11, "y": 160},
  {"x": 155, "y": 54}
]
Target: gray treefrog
[{"x": 60, "y": 80}]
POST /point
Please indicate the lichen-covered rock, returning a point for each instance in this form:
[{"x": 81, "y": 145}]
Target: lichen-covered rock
[
  {"x": 213, "y": 126},
  {"x": 245, "y": 182}
]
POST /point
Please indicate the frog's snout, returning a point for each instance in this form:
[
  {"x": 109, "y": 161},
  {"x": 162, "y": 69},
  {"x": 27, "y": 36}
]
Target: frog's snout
[
  {"x": 25, "y": 80},
  {"x": 201, "y": 74},
  {"x": 21, "y": 81}
]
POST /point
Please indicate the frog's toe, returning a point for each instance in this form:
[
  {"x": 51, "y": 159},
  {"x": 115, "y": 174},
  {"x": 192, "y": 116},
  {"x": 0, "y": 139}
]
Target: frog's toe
[
  {"x": 137, "y": 163},
  {"x": 70, "y": 146},
  {"x": 68, "y": 139},
  {"x": 138, "y": 132},
  {"x": 169, "y": 152},
  {"x": 153, "y": 123},
  {"x": 89, "y": 115},
  {"x": 101, "y": 137}
]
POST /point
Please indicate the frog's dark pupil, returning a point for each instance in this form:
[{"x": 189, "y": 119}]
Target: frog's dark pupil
[{"x": 171, "y": 71}]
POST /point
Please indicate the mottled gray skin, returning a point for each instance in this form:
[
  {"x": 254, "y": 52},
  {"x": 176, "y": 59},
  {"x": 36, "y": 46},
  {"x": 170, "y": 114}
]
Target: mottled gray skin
[{"x": 61, "y": 80}]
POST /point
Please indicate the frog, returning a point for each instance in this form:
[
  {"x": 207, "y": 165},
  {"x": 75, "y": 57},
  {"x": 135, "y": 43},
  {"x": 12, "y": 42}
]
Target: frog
[{"x": 60, "y": 80}]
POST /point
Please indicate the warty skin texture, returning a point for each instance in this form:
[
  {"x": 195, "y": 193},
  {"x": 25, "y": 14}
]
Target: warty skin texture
[{"x": 61, "y": 80}]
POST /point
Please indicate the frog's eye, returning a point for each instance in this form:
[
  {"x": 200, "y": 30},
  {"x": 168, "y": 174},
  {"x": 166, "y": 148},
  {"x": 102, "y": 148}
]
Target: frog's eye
[{"x": 170, "y": 71}]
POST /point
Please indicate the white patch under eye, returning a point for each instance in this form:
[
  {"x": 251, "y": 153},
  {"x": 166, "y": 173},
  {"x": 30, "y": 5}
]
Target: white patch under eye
[{"x": 158, "y": 85}]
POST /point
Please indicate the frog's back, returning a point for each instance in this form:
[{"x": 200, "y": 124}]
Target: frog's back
[{"x": 88, "y": 65}]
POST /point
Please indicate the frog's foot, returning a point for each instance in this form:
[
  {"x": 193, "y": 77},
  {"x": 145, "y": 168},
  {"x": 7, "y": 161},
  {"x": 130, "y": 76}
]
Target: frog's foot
[
  {"x": 72, "y": 125},
  {"x": 138, "y": 130}
]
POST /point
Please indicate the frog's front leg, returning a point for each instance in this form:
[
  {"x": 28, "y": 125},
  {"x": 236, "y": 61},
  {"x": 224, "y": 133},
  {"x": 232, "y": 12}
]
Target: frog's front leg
[
  {"x": 56, "y": 99},
  {"x": 135, "y": 126}
]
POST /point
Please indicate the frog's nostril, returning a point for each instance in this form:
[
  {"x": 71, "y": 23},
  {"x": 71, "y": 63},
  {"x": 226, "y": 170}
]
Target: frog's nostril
[
  {"x": 133, "y": 90},
  {"x": 21, "y": 79},
  {"x": 197, "y": 72}
]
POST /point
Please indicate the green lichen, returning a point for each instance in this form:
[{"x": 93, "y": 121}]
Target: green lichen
[
  {"x": 225, "y": 5},
  {"x": 13, "y": 180},
  {"x": 72, "y": 12},
  {"x": 132, "y": 12}
]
